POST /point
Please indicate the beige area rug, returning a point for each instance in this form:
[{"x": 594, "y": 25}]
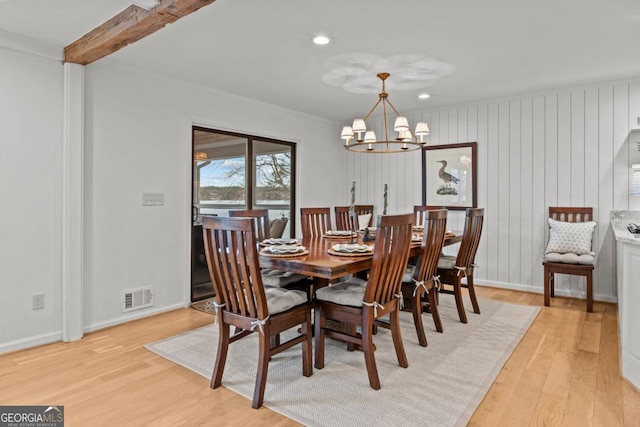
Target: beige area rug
[
  {"x": 443, "y": 385},
  {"x": 205, "y": 305}
]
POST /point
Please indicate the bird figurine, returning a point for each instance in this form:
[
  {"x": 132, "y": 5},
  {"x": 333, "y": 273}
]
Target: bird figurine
[{"x": 445, "y": 176}]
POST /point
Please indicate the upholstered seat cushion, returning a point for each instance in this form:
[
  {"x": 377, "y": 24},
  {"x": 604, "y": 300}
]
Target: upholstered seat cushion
[
  {"x": 407, "y": 277},
  {"x": 447, "y": 262},
  {"x": 570, "y": 258},
  {"x": 279, "y": 278},
  {"x": 279, "y": 300},
  {"x": 349, "y": 292}
]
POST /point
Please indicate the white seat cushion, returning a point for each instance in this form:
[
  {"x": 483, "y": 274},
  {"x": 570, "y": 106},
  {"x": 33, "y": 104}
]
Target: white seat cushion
[
  {"x": 280, "y": 279},
  {"x": 408, "y": 274},
  {"x": 570, "y": 258},
  {"x": 350, "y": 292},
  {"x": 279, "y": 300},
  {"x": 447, "y": 262}
]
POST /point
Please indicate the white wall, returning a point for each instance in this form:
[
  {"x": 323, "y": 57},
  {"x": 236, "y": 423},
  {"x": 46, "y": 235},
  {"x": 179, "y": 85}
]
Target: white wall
[
  {"x": 30, "y": 184},
  {"x": 566, "y": 148},
  {"x": 138, "y": 139}
]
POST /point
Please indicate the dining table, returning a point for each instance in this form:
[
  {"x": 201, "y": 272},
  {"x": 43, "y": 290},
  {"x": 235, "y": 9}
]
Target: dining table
[{"x": 316, "y": 260}]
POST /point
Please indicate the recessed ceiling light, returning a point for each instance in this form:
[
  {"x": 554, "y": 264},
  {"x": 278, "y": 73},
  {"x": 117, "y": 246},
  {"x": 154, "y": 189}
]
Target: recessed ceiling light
[
  {"x": 321, "y": 40},
  {"x": 424, "y": 96}
]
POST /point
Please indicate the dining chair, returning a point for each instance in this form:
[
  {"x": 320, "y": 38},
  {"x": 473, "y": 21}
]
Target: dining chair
[
  {"x": 356, "y": 302},
  {"x": 274, "y": 278},
  {"x": 420, "y": 212},
  {"x": 242, "y": 301},
  {"x": 452, "y": 269},
  {"x": 261, "y": 217},
  {"x": 421, "y": 279},
  {"x": 569, "y": 250},
  {"x": 363, "y": 212},
  {"x": 315, "y": 221}
]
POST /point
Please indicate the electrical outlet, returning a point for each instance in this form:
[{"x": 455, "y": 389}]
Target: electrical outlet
[{"x": 37, "y": 301}]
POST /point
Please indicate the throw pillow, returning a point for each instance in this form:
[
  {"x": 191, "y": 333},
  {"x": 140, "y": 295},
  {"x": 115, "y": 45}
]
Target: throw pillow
[
  {"x": 363, "y": 221},
  {"x": 276, "y": 228},
  {"x": 570, "y": 237}
]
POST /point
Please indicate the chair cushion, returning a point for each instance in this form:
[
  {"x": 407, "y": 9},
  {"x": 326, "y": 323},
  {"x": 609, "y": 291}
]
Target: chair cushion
[
  {"x": 363, "y": 221},
  {"x": 570, "y": 237},
  {"x": 279, "y": 300},
  {"x": 570, "y": 258},
  {"x": 447, "y": 262},
  {"x": 350, "y": 292},
  {"x": 276, "y": 227},
  {"x": 279, "y": 278},
  {"x": 408, "y": 274}
]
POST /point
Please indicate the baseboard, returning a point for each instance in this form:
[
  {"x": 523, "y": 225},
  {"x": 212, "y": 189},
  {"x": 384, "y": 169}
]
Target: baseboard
[
  {"x": 31, "y": 342},
  {"x": 132, "y": 316},
  {"x": 38, "y": 340},
  {"x": 538, "y": 290}
]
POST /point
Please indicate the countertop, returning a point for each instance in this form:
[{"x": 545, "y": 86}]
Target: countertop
[{"x": 619, "y": 222}]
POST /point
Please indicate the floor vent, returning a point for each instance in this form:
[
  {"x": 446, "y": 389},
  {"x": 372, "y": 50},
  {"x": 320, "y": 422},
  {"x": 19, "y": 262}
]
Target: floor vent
[{"x": 135, "y": 299}]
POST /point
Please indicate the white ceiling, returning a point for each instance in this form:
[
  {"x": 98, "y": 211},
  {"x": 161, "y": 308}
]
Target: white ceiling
[{"x": 261, "y": 49}]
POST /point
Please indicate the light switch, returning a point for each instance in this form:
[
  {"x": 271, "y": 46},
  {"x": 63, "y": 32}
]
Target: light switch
[{"x": 152, "y": 199}]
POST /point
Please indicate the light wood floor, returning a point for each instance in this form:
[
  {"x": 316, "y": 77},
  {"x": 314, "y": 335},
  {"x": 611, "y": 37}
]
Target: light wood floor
[{"x": 565, "y": 372}]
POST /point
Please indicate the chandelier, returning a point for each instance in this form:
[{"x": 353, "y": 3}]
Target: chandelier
[{"x": 365, "y": 141}]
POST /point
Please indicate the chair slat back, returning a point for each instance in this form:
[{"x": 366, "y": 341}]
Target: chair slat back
[
  {"x": 390, "y": 256},
  {"x": 315, "y": 221},
  {"x": 232, "y": 257},
  {"x": 435, "y": 226},
  {"x": 342, "y": 216},
  {"x": 261, "y": 218},
  {"x": 470, "y": 237},
  {"x": 420, "y": 212},
  {"x": 571, "y": 214}
]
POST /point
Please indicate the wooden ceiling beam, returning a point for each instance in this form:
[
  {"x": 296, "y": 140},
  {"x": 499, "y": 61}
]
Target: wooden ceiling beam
[{"x": 128, "y": 26}]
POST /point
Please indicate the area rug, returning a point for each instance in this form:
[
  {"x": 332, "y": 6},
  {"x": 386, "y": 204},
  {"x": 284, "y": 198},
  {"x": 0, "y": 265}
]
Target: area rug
[{"x": 443, "y": 385}]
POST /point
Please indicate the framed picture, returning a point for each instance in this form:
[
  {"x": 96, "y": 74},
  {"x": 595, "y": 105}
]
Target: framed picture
[{"x": 449, "y": 176}]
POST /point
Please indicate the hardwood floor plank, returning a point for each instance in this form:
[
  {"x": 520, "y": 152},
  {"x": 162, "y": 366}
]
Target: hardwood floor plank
[{"x": 564, "y": 372}]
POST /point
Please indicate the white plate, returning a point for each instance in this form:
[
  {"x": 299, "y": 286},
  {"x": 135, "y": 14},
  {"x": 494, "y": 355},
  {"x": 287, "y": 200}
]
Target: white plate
[
  {"x": 284, "y": 249},
  {"x": 350, "y": 248},
  {"x": 339, "y": 233},
  {"x": 280, "y": 241}
]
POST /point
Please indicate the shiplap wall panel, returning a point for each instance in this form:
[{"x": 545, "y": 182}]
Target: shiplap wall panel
[
  {"x": 526, "y": 187},
  {"x": 515, "y": 190},
  {"x": 570, "y": 147},
  {"x": 503, "y": 189},
  {"x": 539, "y": 210},
  {"x": 605, "y": 202}
]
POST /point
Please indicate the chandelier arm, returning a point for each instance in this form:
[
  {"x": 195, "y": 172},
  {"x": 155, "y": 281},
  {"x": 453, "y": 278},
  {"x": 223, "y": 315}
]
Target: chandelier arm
[
  {"x": 372, "y": 109},
  {"x": 384, "y": 116},
  {"x": 394, "y": 108}
]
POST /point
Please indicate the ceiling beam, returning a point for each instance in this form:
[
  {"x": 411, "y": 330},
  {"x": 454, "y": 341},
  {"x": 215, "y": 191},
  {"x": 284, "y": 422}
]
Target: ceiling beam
[{"x": 128, "y": 26}]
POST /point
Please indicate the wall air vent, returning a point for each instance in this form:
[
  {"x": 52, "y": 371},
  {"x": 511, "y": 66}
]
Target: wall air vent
[{"x": 135, "y": 299}]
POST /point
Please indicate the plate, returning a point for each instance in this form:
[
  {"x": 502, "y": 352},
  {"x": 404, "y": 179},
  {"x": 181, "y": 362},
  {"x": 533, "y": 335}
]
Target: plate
[
  {"x": 284, "y": 249},
  {"x": 280, "y": 241},
  {"x": 339, "y": 234},
  {"x": 352, "y": 248}
]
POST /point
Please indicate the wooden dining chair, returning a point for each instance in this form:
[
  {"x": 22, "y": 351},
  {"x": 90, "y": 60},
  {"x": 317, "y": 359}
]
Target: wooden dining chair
[
  {"x": 569, "y": 250},
  {"x": 342, "y": 217},
  {"x": 242, "y": 301},
  {"x": 356, "y": 302},
  {"x": 420, "y": 284},
  {"x": 452, "y": 269},
  {"x": 420, "y": 212},
  {"x": 261, "y": 217},
  {"x": 315, "y": 221},
  {"x": 275, "y": 278}
]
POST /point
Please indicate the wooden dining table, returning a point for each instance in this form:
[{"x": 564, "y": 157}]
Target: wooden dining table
[{"x": 325, "y": 267}]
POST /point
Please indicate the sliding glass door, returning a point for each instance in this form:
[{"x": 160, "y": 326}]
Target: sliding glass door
[{"x": 238, "y": 171}]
